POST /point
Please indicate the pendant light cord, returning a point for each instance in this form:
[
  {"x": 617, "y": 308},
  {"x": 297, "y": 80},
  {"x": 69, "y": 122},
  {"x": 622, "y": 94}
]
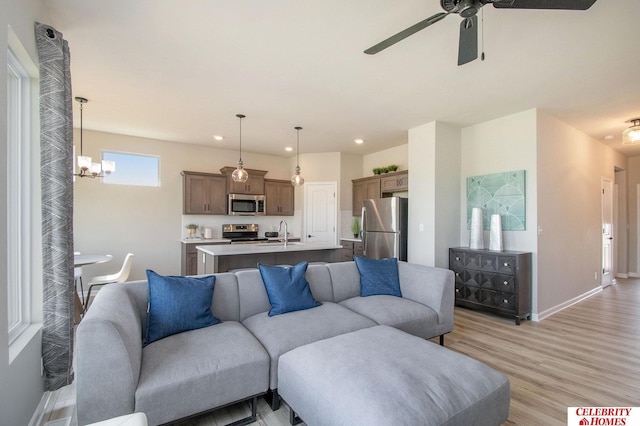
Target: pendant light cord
[{"x": 240, "y": 116}]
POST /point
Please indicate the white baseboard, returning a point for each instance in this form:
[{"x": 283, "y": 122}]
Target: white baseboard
[
  {"x": 619, "y": 275},
  {"x": 634, "y": 275},
  {"x": 548, "y": 312}
]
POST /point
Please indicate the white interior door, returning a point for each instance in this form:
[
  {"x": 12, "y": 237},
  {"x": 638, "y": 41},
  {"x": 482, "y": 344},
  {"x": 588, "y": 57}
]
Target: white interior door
[
  {"x": 320, "y": 212},
  {"x": 607, "y": 231}
]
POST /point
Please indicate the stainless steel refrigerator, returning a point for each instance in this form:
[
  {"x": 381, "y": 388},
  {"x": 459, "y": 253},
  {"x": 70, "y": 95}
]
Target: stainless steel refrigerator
[{"x": 384, "y": 227}]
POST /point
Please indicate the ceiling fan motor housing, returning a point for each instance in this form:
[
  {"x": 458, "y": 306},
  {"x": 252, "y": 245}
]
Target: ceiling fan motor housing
[{"x": 465, "y": 8}]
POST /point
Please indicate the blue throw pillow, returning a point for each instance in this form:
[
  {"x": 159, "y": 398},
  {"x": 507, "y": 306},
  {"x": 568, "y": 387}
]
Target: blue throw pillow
[
  {"x": 178, "y": 304},
  {"x": 378, "y": 276},
  {"x": 287, "y": 288}
]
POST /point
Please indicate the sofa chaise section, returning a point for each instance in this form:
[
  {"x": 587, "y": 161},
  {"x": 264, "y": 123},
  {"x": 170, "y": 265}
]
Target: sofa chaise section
[{"x": 175, "y": 377}]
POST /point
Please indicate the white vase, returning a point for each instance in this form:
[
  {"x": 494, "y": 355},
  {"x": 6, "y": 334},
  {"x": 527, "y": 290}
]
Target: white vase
[
  {"x": 476, "y": 234},
  {"x": 495, "y": 233}
]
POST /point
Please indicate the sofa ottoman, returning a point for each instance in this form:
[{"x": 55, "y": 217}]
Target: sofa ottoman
[{"x": 384, "y": 376}]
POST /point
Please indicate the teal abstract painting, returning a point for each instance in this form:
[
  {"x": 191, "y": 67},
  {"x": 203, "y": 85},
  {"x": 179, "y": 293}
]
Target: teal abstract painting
[{"x": 498, "y": 193}]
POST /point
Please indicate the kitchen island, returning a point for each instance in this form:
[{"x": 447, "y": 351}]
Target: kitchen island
[{"x": 222, "y": 258}]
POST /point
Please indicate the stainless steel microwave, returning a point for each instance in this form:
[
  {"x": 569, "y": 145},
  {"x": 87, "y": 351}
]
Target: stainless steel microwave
[{"x": 246, "y": 205}]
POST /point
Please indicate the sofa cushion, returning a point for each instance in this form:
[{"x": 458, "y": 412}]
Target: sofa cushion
[
  {"x": 378, "y": 276},
  {"x": 281, "y": 333},
  {"x": 403, "y": 314},
  {"x": 198, "y": 370},
  {"x": 287, "y": 288},
  {"x": 178, "y": 304}
]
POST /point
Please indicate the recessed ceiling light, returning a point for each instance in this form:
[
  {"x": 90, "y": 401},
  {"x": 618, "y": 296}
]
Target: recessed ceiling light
[
  {"x": 288, "y": 149},
  {"x": 218, "y": 137},
  {"x": 359, "y": 141}
]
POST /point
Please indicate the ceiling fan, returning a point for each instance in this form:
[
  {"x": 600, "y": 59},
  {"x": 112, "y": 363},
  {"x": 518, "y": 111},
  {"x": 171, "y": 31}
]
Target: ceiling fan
[{"x": 468, "y": 9}]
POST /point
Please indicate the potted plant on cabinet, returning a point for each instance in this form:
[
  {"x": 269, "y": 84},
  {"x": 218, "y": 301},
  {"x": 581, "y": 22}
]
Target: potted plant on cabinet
[{"x": 191, "y": 229}]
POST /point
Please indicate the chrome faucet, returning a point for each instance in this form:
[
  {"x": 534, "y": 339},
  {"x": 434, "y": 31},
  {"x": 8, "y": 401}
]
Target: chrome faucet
[{"x": 286, "y": 231}]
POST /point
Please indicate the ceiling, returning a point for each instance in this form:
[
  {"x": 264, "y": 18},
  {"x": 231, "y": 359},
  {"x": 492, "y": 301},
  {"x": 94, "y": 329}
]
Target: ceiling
[{"x": 181, "y": 70}]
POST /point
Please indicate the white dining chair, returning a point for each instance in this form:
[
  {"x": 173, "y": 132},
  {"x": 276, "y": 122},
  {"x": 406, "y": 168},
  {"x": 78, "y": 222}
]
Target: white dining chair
[
  {"x": 77, "y": 276},
  {"x": 118, "y": 277}
]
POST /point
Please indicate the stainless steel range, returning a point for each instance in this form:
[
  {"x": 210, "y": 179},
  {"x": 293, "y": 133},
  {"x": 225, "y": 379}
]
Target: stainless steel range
[{"x": 242, "y": 233}]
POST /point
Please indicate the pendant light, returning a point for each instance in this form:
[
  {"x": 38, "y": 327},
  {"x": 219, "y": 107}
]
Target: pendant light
[
  {"x": 240, "y": 174},
  {"x": 297, "y": 179},
  {"x": 87, "y": 167},
  {"x": 632, "y": 134}
]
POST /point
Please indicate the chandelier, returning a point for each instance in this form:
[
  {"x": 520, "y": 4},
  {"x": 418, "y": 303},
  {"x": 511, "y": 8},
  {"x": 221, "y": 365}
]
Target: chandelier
[{"x": 87, "y": 167}]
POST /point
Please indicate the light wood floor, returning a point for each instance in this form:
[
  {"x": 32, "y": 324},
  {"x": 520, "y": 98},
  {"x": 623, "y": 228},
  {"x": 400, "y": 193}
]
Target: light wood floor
[{"x": 586, "y": 355}]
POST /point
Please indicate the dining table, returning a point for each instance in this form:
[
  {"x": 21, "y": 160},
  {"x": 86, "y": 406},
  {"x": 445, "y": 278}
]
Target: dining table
[{"x": 80, "y": 260}]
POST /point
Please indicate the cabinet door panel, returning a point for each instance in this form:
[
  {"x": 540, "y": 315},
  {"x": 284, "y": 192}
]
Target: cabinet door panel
[
  {"x": 217, "y": 195},
  {"x": 506, "y": 264},
  {"x": 489, "y": 262},
  {"x": 505, "y": 283},
  {"x": 456, "y": 259},
  {"x": 195, "y": 194}
]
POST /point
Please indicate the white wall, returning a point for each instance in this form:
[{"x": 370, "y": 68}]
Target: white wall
[
  {"x": 502, "y": 145},
  {"x": 434, "y": 176},
  {"x": 633, "y": 179},
  {"x": 398, "y": 155},
  {"x": 570, "y": 168},
  {"x": 148, "y": 222},
  {"x": 21, "y": 385}
]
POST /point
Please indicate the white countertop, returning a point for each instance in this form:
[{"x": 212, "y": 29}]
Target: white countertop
[
  {"x": 236, "y": 249},
  {"x": 206, "y": 241},
  {"x": 223, "y": 240},
  {"x": 355, "y": 240}
]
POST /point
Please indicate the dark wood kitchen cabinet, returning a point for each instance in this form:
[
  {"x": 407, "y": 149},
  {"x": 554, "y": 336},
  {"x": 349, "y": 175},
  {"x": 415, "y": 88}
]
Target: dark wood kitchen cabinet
[
  {"x": 189, "y": 254},
  {"x": 280, "y": 196},
  {"x": 350, "y": 248},
  {"x": 364, "y": 189},
  {"x": 378, "y": 186},
  {"x": 493, "y": 281},
  {"x": 394, "y": 182},
  {"x": 204, "y": 193},
  {"x": 253, "y": 186}
]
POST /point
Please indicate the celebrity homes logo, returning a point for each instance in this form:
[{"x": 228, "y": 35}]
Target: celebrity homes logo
[{"x": 603, "y": 416}]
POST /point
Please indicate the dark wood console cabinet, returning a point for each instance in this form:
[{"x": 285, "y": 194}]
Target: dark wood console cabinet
[{"x": 493, "y": 281}]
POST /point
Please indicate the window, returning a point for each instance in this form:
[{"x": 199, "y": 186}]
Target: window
[
  {"x": 133, "y": 169},
  {"x": 19, "y": 115}
]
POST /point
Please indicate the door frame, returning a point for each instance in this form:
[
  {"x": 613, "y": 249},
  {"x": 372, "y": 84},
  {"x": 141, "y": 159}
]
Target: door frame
[
  {"x": 336, "y": 226},
  {"x": 607, "y": 210}
]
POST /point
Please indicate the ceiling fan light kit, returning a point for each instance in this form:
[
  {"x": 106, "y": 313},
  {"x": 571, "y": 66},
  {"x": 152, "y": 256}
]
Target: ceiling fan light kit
[
  {"x": 468, "y": 9},
  {"x": 631, "y": 135}
]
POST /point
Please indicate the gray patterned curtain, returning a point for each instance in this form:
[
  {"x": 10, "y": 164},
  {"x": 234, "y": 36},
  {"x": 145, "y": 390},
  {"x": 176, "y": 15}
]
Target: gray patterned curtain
[{"x": 56, "y": 165}]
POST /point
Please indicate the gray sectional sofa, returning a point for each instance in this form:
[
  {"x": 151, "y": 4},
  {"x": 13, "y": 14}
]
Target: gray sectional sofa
[{"x": 200, "y": 370}]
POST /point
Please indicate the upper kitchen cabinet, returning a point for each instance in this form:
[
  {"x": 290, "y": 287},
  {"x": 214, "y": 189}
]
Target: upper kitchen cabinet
[
  {"x": 204, "y": 193},
  {"x": 280, "y": 197},
  {"x": 394, "y": 182},
  {"x": 254, "y": 185},
  {"x": 364, "y": 189},
  {"x": 378, "y": 186}
]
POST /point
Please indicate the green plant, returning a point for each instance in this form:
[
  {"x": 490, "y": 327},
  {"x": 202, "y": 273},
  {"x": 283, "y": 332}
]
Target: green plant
[
  {"x": 377, "y": 170},
  {"x": 384, "y": 169},
  {"x": 355, "y": 226},
  {"x": 192, "y": 226},
  {"x": 393, "y": 167}
]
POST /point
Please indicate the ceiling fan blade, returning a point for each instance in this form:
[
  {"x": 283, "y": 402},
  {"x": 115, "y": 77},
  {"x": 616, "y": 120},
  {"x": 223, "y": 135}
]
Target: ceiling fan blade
[
  {"x": 544, "y": 4},
  {"x": 468, "y": 47},
  {"x": 406, "y": 33}
]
